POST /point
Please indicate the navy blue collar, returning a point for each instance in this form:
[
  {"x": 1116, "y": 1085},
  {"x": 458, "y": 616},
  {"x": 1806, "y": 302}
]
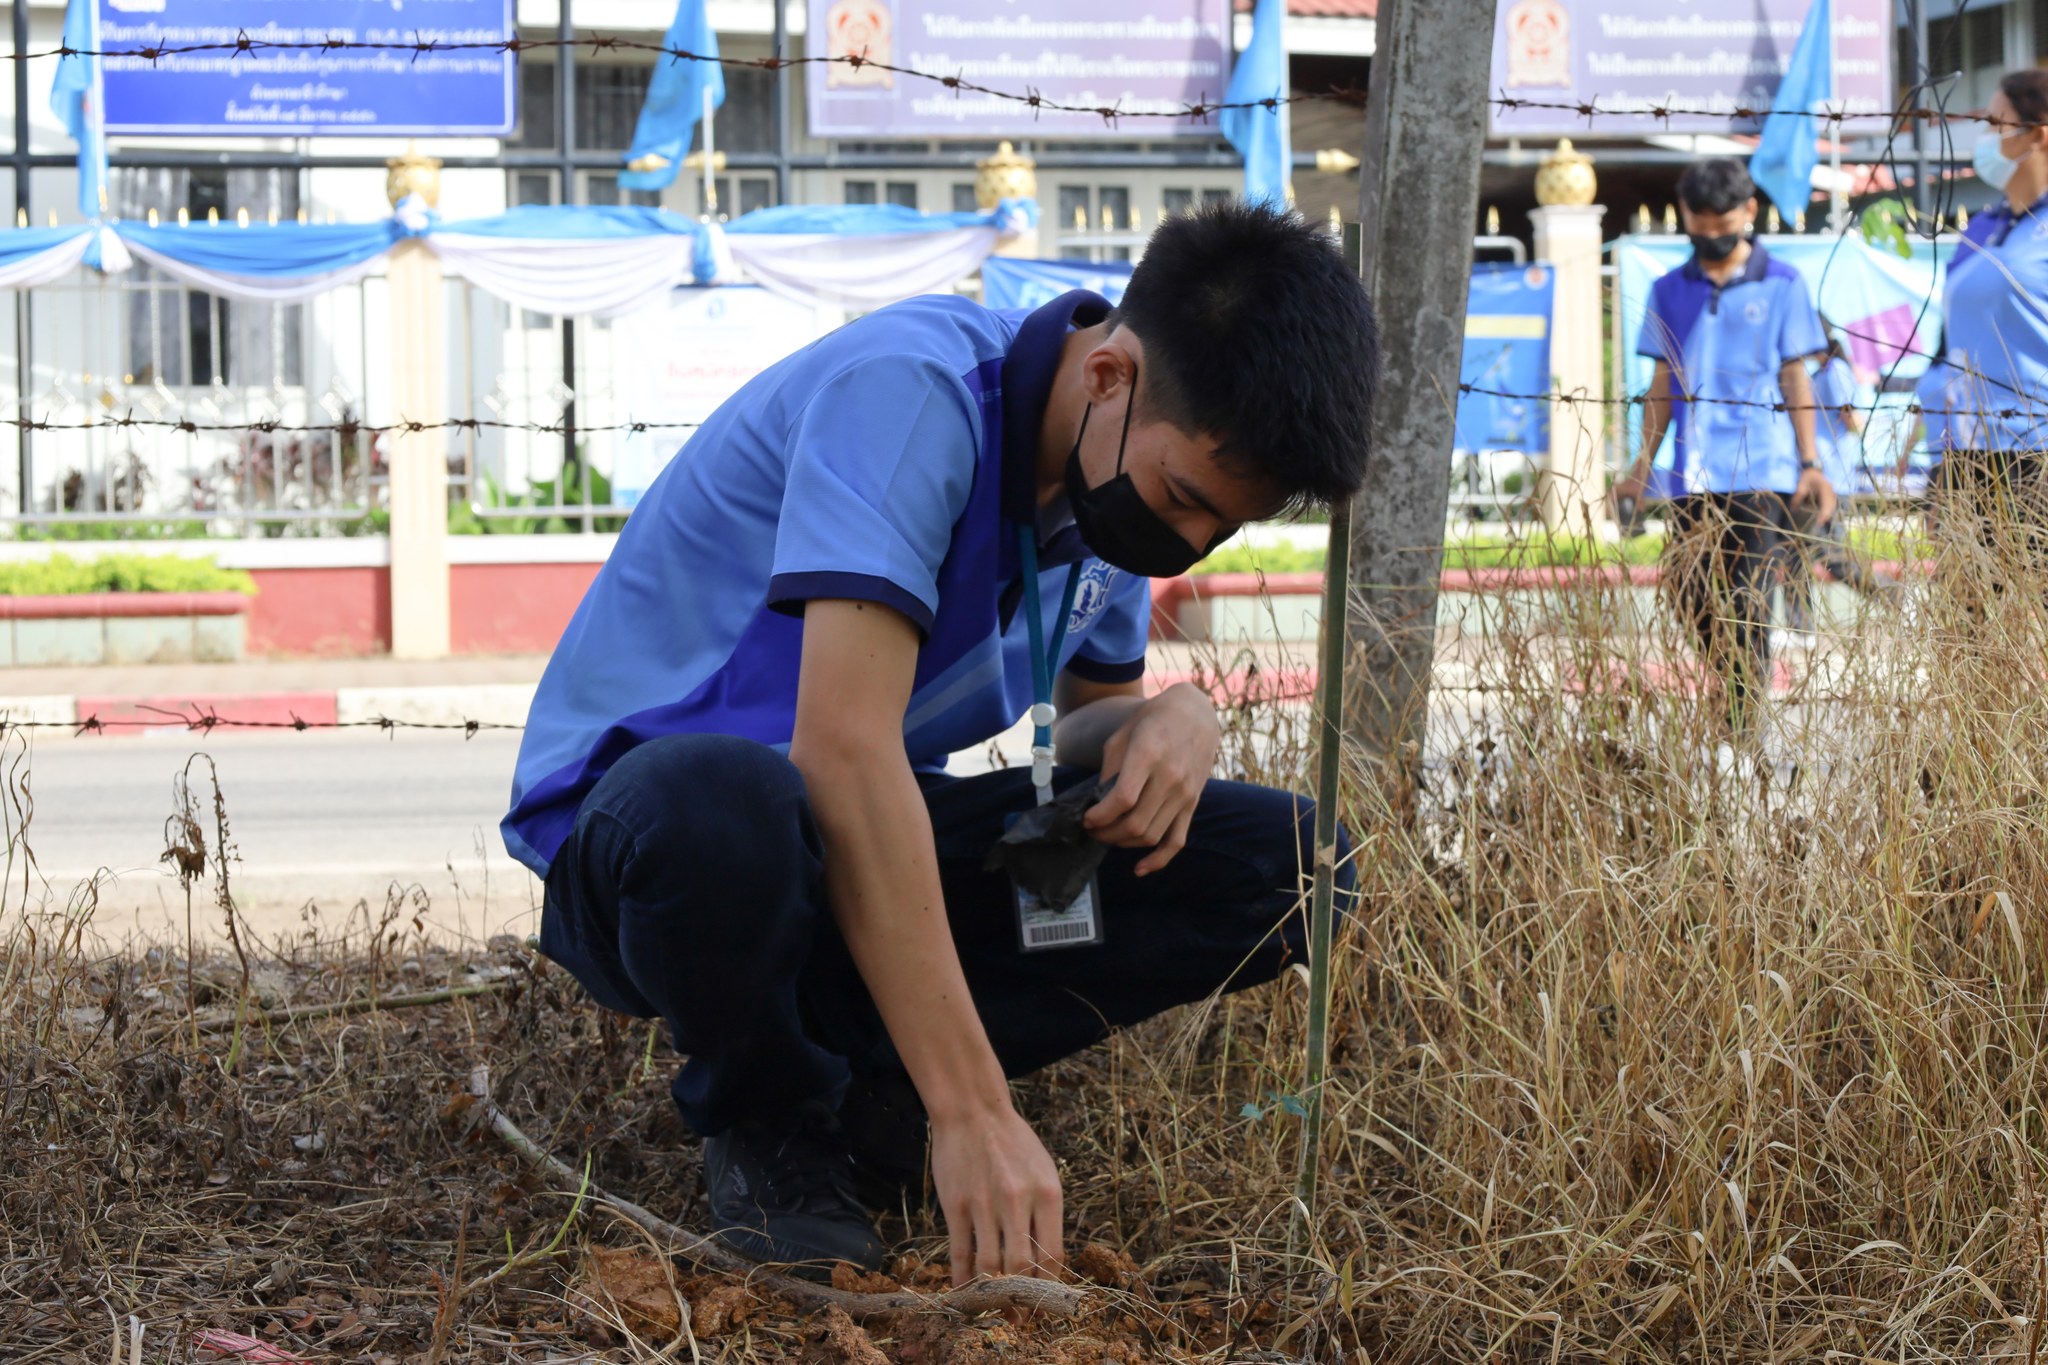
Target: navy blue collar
[
  {"x": 1029, "y": 368},
  {"x": 1752, "y": 269},
  {"x": 2003, "y": 219}
]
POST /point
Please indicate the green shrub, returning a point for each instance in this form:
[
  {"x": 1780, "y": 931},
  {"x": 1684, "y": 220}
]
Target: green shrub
[
  {"x": 1474, "y": 552},
  {"x": 63, "y": 576}
]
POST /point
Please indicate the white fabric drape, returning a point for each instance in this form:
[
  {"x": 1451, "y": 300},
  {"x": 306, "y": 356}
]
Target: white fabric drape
[
  {"x": 251, "y": 288},
  {"x": 46, "y": 266},
  {"x": 596, "y": 277},
  {"x": 860, "y": 274}
]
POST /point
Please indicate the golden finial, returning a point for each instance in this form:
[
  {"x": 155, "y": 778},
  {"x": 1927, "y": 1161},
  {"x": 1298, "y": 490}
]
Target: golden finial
[{"x": 1566, "y": 177}]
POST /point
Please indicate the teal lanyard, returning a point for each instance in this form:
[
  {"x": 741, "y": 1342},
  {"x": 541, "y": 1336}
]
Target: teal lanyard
[{"x": 1044, "y": 662}]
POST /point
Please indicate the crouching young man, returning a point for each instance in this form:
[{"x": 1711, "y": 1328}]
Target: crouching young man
[{"x": 885, "y": 549}]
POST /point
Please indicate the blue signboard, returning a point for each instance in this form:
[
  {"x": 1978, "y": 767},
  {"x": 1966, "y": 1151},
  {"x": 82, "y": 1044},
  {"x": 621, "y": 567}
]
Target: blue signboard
[
  {"x": 310, "y": 91},
  {"x": 1507, "y": 350}
]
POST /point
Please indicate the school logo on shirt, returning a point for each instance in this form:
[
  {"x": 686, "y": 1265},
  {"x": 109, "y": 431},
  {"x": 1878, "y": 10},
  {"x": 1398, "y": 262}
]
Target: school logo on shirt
[
  {"x": 1091, "y": 595},
  {"x": 1753, "y": 311}
]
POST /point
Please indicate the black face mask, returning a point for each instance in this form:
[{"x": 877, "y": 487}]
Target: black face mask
[
  {"x": 1118, "y": 526},
  {"x": 1712, "y": 249}
]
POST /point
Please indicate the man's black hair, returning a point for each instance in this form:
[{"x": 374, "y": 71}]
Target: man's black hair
[
  {"x": 1719, "y": 184},
  {"x": 1257, "y": 334}
]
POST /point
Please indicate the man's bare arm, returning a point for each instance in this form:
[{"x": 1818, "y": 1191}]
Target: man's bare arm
[
  {"x": 997, "y": 1186},
  {"x": 1656, "y": 417}
]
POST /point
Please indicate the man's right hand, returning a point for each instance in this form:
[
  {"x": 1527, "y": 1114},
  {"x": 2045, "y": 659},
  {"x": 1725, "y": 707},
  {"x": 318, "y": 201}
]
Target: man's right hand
[{"x": 1000, "y": 1193}]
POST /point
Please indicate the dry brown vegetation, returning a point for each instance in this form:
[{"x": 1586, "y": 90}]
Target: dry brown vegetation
[{"x": 1638, "y": 1055}]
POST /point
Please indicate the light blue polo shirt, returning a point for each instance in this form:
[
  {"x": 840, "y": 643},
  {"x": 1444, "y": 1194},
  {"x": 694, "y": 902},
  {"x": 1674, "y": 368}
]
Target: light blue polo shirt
[
  {"x": 1994, "y": 314},
  {"x": 892, "y": 462},
  {"x": 1729, "y": 342}
]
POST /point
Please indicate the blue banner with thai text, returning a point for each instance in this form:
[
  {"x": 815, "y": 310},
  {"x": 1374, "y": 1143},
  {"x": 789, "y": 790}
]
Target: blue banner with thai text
[{"x": 440, "y": 76}]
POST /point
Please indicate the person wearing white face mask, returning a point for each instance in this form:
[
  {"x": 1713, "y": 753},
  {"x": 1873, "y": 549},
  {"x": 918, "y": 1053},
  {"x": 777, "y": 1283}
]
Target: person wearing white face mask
[{"x": 1992, "y": 376}]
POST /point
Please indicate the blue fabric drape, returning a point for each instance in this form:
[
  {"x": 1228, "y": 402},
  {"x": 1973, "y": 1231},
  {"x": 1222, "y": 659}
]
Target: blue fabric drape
[
  {"x": 280, "y": 251},
  {"x": 862, "y": 220}
]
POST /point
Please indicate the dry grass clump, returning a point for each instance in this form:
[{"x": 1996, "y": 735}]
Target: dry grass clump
[{"x": 1644, "y": 1050}]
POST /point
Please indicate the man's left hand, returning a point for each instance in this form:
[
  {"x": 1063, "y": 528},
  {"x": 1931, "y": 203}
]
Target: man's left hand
[
  {"x": 1815, "y": 489},
  {"x": 1161, "y": 759}
]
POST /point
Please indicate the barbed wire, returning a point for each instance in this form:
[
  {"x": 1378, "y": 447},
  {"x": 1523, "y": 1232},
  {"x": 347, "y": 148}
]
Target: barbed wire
[
  {"x": 1913, "y": 408},
  {"x": 280, "y": 427},
  {"x": 1349, "y": 96},
  {"x": 207, "y": 721}
]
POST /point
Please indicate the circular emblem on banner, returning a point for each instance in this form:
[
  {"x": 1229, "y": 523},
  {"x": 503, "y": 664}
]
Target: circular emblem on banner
[
  {"x": 864, "y": 29},
  {"x": 1539, "y": 43},
  {"x": 1536, "y": 277}
]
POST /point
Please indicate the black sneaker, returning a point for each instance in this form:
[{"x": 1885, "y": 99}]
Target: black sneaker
[
  {"x": 782, "y": 1192},
  {"x": 888, "y": 1136}
]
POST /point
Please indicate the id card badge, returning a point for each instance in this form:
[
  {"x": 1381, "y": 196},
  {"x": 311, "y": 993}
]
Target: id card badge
[{"x": 1040, "y": 926}]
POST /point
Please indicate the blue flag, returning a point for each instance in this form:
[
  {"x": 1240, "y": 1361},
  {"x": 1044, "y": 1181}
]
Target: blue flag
[
  {"x": 1261, "y": 135},
  {"x": 1783, "y": 161},
  {"x": 675, "y": 101},
  {"x": 75, "y": 93}
]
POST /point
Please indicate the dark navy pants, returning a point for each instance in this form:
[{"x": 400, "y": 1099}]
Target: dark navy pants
[{"x": 693, "y": 888}]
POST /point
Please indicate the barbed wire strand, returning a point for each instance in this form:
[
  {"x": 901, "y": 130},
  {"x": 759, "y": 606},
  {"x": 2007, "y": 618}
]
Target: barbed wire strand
[
  {"x": 280, "y": 427},
  {"x": 1350, "y": 96}
]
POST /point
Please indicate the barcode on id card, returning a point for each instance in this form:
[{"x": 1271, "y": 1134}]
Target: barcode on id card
[{"x": 1053, "y": 933}]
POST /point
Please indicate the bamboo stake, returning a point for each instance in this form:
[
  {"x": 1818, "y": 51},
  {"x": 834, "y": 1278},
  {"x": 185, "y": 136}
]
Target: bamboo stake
[{"x": 1323, "y": 892}]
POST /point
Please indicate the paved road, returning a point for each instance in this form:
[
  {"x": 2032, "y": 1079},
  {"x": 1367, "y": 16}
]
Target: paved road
[{"x": 327, "y": 819}]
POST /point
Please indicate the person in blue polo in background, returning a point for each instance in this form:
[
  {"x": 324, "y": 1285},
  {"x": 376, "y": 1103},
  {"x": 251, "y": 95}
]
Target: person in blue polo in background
[
  {"x": 1730, "y": 330},
  {"x": 1992, "y": 376},
  {"x": 885, "y": 549}
]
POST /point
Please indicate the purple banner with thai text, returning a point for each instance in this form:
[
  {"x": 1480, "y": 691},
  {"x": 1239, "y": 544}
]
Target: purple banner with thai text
[
  {"x": 1700, "y": 60},
  {"x": 1130, "y": 56}
]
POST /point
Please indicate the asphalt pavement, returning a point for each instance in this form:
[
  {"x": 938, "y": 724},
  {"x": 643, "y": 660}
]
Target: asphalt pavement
[
  {"x": 319, "y": 820},
  {"x": 320, "y": 823}
]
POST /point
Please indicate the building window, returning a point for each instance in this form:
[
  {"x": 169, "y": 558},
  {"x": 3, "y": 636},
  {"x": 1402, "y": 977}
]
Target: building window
[
  {"x": 963, "y": 199},
  {"x": 860, "y": 191},
  {"x": 182, "y": 337},
  {"x": 736, "y": 194},
  {"x": 609, "y": 96},
  {"x": 603, "y": 188},
  {"x": 1178, "y": 201},
  {"x": 1097, "y": 223},
  {"x": 902, "y": 193},
  {"x": 1973, "y": 43},
  {"x": 534, "y": 187}
]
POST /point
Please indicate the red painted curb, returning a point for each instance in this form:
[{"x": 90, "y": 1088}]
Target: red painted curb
[
  {"x": 103, "y": 604},
  {"x": 137, "y": 715}
]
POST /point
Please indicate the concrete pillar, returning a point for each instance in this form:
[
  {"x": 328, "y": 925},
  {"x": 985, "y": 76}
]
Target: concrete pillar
[
  {"x": 1572, "y": 495},
  {"x": 418, "y": 459},
  {"x": 1425, "y": 126}
]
